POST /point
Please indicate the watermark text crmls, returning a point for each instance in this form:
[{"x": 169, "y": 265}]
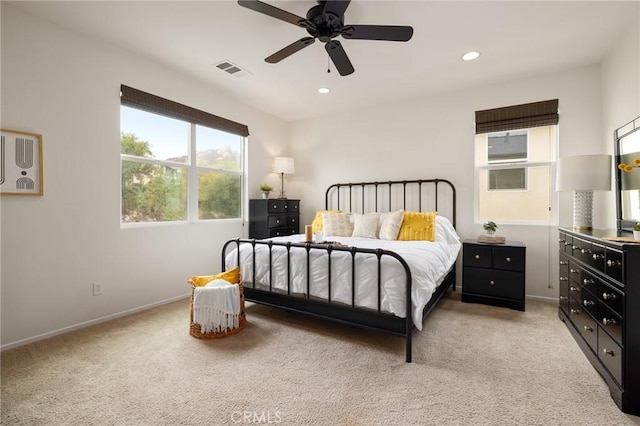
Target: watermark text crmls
[{"x": 257, "y": 417}]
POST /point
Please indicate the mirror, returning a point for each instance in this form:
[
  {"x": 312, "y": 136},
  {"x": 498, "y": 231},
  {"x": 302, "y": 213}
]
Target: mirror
[{"x": 627, "y": 150}]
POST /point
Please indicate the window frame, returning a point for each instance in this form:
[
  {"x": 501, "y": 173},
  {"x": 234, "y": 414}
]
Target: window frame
[{"x": 136, "y": 99}]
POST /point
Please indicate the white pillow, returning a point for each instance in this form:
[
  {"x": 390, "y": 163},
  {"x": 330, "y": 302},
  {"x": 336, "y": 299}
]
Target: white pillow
[
  {"x": 445, "y": 232},
  {"x": 391, "y": 225},
  {"x": 365, "y": 225},
  {"x": 336, "y": 225}
]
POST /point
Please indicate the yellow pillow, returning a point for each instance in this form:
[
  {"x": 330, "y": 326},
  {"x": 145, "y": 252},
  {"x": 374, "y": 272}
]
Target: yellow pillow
[
  {"x": 232, "y": 275},
  {"x": 317, "y": 224},
  {"x": 418, "y": 226}
]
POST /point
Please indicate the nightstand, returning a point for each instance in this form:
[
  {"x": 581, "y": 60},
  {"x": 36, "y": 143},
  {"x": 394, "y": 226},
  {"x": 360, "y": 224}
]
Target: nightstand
[
  {"x": 494, "y": 274},
  {"x": 273, "y": 217}
]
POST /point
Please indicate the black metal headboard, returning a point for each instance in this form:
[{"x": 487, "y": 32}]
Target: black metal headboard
[{"x": 414, "y": 195}]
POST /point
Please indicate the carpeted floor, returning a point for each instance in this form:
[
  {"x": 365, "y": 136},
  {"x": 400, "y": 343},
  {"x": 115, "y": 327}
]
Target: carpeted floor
[{"x": 473, "y": 365}]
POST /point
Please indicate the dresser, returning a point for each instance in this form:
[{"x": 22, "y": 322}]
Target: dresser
[
  {"x": 599, "y": 301},
  {"x": 273, "y": 217},
  {"x": 494, "y": 274}
]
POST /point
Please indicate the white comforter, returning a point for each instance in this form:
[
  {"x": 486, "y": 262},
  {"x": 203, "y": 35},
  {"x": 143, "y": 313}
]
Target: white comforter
[{"x": 429, "y": 263}]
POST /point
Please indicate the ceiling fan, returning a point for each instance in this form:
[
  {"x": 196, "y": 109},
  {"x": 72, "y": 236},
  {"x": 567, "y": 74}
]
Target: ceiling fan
[{"x": 325, "y": 22}]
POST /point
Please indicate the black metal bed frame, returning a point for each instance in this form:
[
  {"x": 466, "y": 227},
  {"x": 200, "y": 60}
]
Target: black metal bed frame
[{"x": 353, "y": 315}]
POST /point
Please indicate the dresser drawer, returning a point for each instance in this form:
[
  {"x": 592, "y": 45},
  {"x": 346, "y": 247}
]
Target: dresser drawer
[
  {"x": 610, "y": 353},
  {"x": 277, "y": 220},
  {"x": 574, "y": 271},
  {"x": 597, "y": 257},
  {"x": 277, "y": 206},
  {"x": 564, "y": 296},
  {"x": 293, "y": 206},
  {"x": 589, "y": 302},
  {"x": 611, "y": 297},
  {"x": 584, "y": 323},
  {"x": 476, "y": 255},
  {"x": 509, "y": 258},
  {"x": 278, "y": 232},
  {"x": 589, "y": 282},
  {"x": 610, "y": 322},
  {"x": 491, "y": 282},
  {"x": 292, "y": 222},
  {"x": 613, "y": 264}
]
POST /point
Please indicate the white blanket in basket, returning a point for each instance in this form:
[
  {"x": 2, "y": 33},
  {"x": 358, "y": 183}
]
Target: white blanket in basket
[{"x": 216, "y": 306}]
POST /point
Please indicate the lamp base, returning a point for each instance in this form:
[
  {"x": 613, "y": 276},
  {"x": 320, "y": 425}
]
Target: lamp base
[
  {"x": 282, "y": 196},
  {"x": 582, "y": 210}
]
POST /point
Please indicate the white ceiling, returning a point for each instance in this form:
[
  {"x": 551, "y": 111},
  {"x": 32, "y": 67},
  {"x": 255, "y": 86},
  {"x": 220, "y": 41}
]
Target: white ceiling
[{"x": 517, "y": 39}]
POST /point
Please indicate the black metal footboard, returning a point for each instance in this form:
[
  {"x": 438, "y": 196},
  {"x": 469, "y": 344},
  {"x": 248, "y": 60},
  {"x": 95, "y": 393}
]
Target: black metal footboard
[{"x": 351, "y": 314}]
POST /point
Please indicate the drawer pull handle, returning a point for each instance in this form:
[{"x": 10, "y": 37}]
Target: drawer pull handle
[
  {"x": 564, "y": 279},
  {"x": 575, "y": 311},
  {"x": 477, "y": 256},
  {"x": 576, "y": 247},
  {"x": 587, "y": 328},
  {"x": 567, "y": 243},
  {"x": 597, "y": 256},
  {"x": 586, "y": 302},
  {"x": 492, "y": 282},
  {"x": 561, "y": 241},
  {"x": 277, "y": 220},
  {"x": 612, "y": 263},
  {"x": 608, "y": 296},
  {"x": 564, "y": 262},
  {"x": 564, "y": 298},
  {"x": 588, "y": 281},
  {"x": 508, "y": 259},
  {"x": 576, "y": 289},
  {"x": 608, "y": 321},
  {"x": 608, "y": 352},
  {"x": 293, "y": 220},
  {"x": 585, "y": 251},
  {"x": 574, "y": 271}
]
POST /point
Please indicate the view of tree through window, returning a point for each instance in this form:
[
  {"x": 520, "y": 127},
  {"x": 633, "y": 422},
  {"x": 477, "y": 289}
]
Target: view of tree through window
[{"x": 163, "y": 182}]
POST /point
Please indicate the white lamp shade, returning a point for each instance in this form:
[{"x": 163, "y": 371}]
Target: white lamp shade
[
  {"x": 584, "y": 173},
  {"x": 284, "y": 165}
]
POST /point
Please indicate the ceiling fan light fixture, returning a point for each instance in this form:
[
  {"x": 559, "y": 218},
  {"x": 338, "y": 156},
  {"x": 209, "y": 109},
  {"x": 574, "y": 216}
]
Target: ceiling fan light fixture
[
  {"x": 324, "y": 90},
  {"x": 470, "y": 56}
]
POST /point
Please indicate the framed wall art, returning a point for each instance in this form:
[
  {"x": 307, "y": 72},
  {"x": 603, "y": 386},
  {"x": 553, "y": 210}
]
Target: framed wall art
[{"x": 20, "y": 163}]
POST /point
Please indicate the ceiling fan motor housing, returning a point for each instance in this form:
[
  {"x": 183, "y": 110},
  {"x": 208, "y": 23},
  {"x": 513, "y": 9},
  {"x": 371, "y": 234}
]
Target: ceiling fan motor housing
[{"x": 325, "y": 25}]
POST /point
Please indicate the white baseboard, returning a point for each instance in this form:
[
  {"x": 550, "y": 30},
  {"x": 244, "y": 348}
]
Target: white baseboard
[
  {"x": 90, "y": 323},
  {"x": 553, "y": 300}
]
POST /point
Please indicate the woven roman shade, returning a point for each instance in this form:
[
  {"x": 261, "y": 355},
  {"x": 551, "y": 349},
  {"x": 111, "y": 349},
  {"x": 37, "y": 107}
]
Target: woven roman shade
[
  {"x": 155, "y": 104},
  {"x": 535, "y": 114}
]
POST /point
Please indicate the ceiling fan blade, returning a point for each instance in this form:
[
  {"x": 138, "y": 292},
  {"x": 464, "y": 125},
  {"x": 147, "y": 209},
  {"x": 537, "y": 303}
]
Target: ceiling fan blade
[
  {"x": 339, "y": 57},
  {"x": 337, "y": 7},
  {"x": 378, "y": 32},
  {"x": 274, "y": 12},
  {"x": 290, "y": 49}
]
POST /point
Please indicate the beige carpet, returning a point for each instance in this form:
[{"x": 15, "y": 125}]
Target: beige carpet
[{"x": 473, "y": 365}]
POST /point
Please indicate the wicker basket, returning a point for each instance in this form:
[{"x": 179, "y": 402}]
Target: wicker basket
[{"x": 195, "y": 329}]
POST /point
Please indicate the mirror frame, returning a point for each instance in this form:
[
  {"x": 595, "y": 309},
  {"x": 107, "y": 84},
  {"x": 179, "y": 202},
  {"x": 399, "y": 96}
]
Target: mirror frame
[{"x": 619, "y": 134}]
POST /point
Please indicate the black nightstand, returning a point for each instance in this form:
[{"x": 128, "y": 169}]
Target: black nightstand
[
  {"x": 494, "y": 274},
  {"x": 273, "y": 217}
]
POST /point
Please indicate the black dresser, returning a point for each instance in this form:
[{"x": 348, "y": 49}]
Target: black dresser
[
  {"x": 494, "y": 274},
  {"x": 273, "y": 217},
  {"x": 600, "y": 304}
]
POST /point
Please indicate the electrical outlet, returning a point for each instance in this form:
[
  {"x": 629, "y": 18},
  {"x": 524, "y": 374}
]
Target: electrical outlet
[{"x": 97, "y": 288}]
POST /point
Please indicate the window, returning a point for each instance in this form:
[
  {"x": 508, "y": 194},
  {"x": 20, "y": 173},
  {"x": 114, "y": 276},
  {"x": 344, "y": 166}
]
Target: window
[
  {"x": 515, "y": 155},
  {"x": 178, "y": 163}
]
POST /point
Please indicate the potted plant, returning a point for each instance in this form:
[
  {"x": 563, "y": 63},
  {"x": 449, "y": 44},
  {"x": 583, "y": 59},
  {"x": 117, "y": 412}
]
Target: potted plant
[
  {"x": 636, "y": 231},
  {"x": 490, "y": 227},
  {"x": 266, "y": 189}
]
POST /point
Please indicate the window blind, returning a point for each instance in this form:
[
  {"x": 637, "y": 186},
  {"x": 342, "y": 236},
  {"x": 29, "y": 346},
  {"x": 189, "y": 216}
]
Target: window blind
[
  {"x": 535, "y": 114},
  {"x": 151, "y": 103}
]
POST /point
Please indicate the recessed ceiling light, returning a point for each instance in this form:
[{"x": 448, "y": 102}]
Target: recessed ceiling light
[
  {"x": 323, "y": 90},
  {"x": 470, "y": 56}
]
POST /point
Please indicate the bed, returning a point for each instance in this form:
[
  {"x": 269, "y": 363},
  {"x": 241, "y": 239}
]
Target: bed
[{"x": 359, "y": 280}]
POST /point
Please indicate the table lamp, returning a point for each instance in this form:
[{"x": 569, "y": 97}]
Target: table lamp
[{"x": 283, "y": 165}]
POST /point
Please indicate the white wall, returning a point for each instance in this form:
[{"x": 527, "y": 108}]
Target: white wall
[
  {"x": 620, "y": 100},
  {"x": 434, "y": 137},
  {"x": 66, "y": 87}
]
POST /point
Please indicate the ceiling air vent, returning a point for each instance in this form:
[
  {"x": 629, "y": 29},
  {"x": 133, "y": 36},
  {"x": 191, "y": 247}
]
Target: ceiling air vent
[{"x": 233, "y": 69}]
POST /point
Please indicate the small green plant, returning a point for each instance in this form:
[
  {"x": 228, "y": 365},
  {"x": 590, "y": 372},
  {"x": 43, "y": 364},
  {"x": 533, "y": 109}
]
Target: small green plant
[
  {"x": 490, "y": 226},
  {"x": 636, "y": 227},
  {"x": 265, "y": 187}
]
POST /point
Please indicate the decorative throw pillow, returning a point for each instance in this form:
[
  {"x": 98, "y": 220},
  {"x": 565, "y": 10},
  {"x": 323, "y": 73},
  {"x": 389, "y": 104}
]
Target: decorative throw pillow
[
  {"x": 391, "y": 225},
  {"x": 336, "y": 225},
  {"x": 418, "y": 226},
  {"x": 365, "y": 225},
  {"x": 232, "y": 276},
  {"x": 316, "y": 225}
]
